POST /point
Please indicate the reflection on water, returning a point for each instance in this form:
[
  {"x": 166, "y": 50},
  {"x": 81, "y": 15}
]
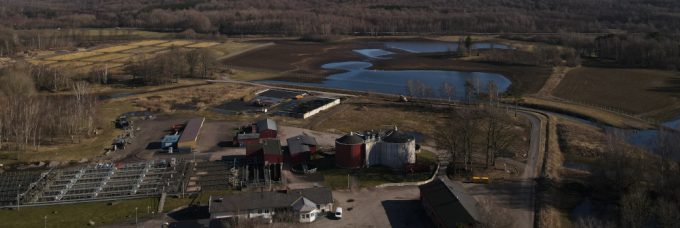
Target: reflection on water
[{"x": 359, "y": 78}]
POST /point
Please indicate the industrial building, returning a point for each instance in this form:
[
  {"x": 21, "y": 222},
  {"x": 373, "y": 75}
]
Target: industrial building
[
  {"x": 391, "y": 148},
  {"x": 268, "y": 151},
  {"x": 448, "y": 204},
  {"x": 304, "y": 205},
  {"x": 301, "y": 148},
  {"x": 187, "y": 141},
  {"x": 254, "y": 133}
]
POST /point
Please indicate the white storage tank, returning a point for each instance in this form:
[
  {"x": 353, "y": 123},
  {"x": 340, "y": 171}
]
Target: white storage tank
[{"x": 397, "y": 149}]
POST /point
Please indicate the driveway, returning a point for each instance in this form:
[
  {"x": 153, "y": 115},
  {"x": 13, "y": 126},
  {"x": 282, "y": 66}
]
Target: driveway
[{"x": 384, "y": 207}]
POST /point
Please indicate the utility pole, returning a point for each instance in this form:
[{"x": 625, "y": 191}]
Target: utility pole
[
  {"x": 45, "y": 221},
  {"x": 136, "y": 217},
  {"x": 348, "y": 186}
]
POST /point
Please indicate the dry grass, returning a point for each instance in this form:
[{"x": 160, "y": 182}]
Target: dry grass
[
  {"x": 652, "y": 93},
  {"x": 86, "y": 148},
  {"x": 107, "y": 57},
  {"x": 594, "y": 114},
  {"x": 40, "y": 62},
  {"x": 73, "y": 56},
  {"x": 70, "y": 64},
  {"x": 177, "y": 43},
  {"x": 147, "y": 42},
  {"x": 364, "y": 114},
  {"x": 229, "y": 48},
  {"x": 203, "y": 44},
  {"x": 201, "y": 97},
  {"x": 251, "y": 74},
  {"x": 149, "y": 49},
  {"x": 117, "y": 48}
]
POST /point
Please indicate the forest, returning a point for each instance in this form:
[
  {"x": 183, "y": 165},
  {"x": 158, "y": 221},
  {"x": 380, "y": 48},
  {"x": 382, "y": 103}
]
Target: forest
[{"x": 377, "y": 17}]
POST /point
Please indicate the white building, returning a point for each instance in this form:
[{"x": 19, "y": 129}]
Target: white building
[{"x": 305, "y": 205}]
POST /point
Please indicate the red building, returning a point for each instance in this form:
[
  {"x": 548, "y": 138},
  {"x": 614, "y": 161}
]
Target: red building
[
  {"x": 301, "y": 148},
  {"x": 263, "y": 129},
  {"x": 349, "y": 151},
  {"x": 267, "y": 129},
  {"x": 268, "y": 151}
]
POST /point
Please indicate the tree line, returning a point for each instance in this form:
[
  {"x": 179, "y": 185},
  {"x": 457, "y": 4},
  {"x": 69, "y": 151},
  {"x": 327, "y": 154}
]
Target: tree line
[
  {"x": 29, "y": 120},
  {"x": 379, "y": 17},
  {"x": 175, "y": 64}
]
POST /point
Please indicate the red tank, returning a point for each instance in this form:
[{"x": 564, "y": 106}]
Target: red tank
[{"x": 349, "y": 151}]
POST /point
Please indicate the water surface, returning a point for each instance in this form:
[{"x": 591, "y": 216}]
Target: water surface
[{"x": 358, "y": 77}]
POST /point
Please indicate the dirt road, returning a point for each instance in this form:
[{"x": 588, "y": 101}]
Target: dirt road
[{"x": 516, "y": 197}]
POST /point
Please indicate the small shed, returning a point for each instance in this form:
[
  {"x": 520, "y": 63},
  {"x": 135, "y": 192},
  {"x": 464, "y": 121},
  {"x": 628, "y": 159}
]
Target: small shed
[{"x": 188, "y": 140}]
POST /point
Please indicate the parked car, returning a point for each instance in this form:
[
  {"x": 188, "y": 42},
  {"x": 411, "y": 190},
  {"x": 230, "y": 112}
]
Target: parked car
[{"x": 338, "y": 213}]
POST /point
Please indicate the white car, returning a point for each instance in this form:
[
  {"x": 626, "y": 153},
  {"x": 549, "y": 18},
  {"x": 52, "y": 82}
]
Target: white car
[{"x": 338, "y": 212}]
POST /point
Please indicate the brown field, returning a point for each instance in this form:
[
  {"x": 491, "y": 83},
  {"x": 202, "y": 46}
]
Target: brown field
[
  {"x": 651, "y": 93},
  {"x": 70, "y": 64},
  {"x": 73, "y": 56},
  {"x": 203, "y": 45},
  {"x": 177, "y": 43},
  {"x": 117, "y": 48},
  {"x": 148, "y": 42},
  {"x": 106, "y": 57},
  {"x": 149, "y": 49}
]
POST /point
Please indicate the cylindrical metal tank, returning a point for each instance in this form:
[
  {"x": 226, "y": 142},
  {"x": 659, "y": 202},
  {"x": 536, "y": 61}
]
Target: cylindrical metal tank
[
  {"x": 397, "y": 150},
  {"x": 349, "y": 151}
]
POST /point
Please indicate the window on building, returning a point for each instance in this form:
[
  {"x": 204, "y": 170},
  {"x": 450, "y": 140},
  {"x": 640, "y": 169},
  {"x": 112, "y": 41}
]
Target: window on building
[
  {"x": 259, "y": 211},
  {"x": 266, "y": 210}
]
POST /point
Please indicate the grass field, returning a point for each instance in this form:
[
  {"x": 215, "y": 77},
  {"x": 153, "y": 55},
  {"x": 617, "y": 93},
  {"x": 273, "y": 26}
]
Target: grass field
[
  {"x": 203, "y": 45},
  {"x": 117, "y": 55},
  {"x": 106, "y": 57},
  {"x": 117, "y": 48},
  {"x": 177, "y": 43},
  {"x": 78, "y": 215},
  {"x": 148, "y": 42},
  {"x": 73, "y": 56},
  {"x": 369, "y": 177},
  {"x": 651, "y": 93}
]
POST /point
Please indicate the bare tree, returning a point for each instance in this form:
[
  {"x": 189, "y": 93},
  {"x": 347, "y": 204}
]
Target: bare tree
[
  {"x": 448, "y": 90},
  {"x": 635, "y": 208}
]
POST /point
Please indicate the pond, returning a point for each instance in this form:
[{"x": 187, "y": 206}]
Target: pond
[
  {"x": 432, "y": 47},
  {"x": 374, "y": 53},
  {"x": 358, "y": 77}
]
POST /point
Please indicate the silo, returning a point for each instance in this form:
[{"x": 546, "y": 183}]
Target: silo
[
  {"x": 348, "y": 151},
  {"x": 397, "y": 150}
]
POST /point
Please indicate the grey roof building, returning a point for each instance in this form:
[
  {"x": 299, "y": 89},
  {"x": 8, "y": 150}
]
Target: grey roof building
[
  {"x": 266, "y": 124},
  {"x": 301, "y": 144},
  {"x": 306, "y": 203},
  {"x": 448, "y": 204}
]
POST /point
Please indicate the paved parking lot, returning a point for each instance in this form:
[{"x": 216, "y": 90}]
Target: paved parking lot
[{"x": 388, "y": 207}]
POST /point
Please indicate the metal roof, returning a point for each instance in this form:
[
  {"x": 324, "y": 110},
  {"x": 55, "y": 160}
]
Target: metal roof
[
  {"x": 266, "y": 124},
  {"x": 450, "y": 202},
  {"x": 191, "y": 130},
  {"x": 300, "y": 143},
  {"x": 350, "y": 139},
  {"x": 279, "y": 199},
  {"x": 397, "y": 136}
]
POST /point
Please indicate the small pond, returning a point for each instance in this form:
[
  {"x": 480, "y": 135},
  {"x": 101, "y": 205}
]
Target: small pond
[{"x": 358, "y": 77}]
